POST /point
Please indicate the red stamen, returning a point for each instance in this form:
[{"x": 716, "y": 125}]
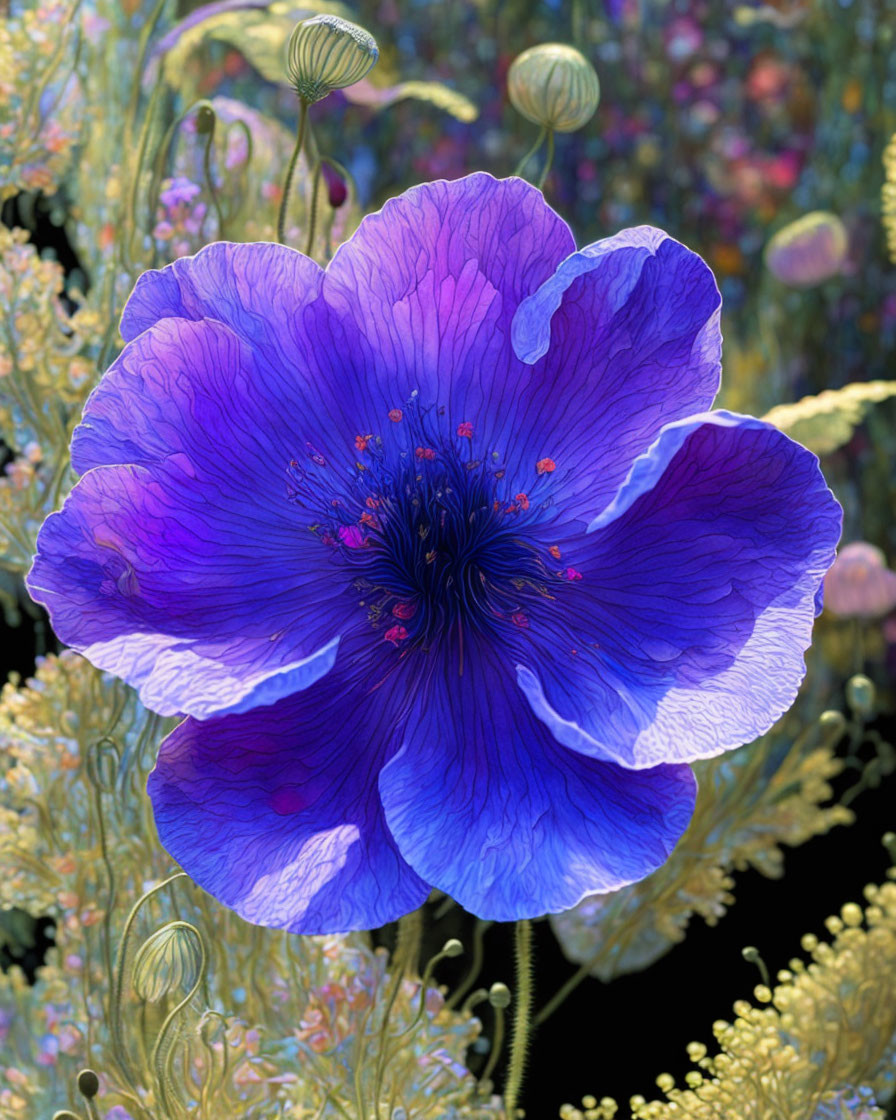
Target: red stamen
[{"x": 545, "y": 466}]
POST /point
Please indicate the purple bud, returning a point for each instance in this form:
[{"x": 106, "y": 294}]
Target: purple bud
[{"x": 337, "y": 190}]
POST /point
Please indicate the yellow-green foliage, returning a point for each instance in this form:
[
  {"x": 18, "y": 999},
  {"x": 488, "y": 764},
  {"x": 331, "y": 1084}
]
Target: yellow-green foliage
[
  {"x": 40, "y": 99},
  {"x": 276, "y": 1025},
  {"x": 820, "y": 1045},
  {"x": 824, "y": 1026},
  {"x": 749, "y": 803},
  {"x": 47, "y": 368}
]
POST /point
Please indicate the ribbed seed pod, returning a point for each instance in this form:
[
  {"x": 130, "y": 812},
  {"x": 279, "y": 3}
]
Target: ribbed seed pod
[
  {"x": 555, "y": 86},
  {"x": 326, "y": 53},
  {"x": 808, "y": 251},
  {"x": 168, "y": 960}
]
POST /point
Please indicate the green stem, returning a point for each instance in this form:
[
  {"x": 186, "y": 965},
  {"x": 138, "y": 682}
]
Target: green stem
[
  {"x": 120, "y": 964},
  {"x": 548, "y": 161},
  {"x": 519, "y": 1044},
  {"x": 470, "y": 979},
  {"x": 290, "y": 172},
  {"x": 207, "y": 171},
  {"x": 539, "y": 139},
  {"x": 497, "y": 1045},
  {"x": 161, "y": 1055},
  {"x": 312, "y": 219}
]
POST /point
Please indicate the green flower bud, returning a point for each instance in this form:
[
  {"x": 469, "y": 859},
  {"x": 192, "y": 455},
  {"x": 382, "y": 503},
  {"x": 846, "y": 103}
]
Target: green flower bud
[
  {"x": 499, "y": 995},
  {"x": 88, "y": 1084},
  {"x": 861, "y": 694},
  {"x": 326, "y": 53},
  {"x": 170, "y": 959},
  {"x": 555, "y": 86},
  {"x": 452, "y": 948},
  {"x": 205, "y": 120}
]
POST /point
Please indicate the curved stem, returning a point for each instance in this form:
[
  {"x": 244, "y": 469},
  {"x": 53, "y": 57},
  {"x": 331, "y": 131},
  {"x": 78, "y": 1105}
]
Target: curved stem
[
  {"x": 161, "y": 1053},
  {"x": 548, "y": 160},
  {"x": 290, "y": 172},
  {"x": 522, "y": 1017},
  {"x": 120, "y": 963},
  {"x": 539, "y": 139},
  {"x": 207, "y": 171},
  {"x": 472, "y": 976},
  {"x": 497, "y": 1045}
]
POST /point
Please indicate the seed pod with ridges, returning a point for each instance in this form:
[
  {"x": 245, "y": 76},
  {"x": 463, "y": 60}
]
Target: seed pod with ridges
[
  {"x": 555, "y": 86},
  {"x": 326, "y": 53},
  {"x": 168, "y": 960}
]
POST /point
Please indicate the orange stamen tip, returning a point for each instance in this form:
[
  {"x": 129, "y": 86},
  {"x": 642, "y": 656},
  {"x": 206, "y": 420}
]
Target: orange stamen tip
[
  {"x": 361, "y": 442},
  {"x": 522, "y": 500},
  {"x": 395, "y": 414},
  {"x": 545, "y": 466},
  {"x": 465, "y": 430},
  {"x": 554, "y": 551}
]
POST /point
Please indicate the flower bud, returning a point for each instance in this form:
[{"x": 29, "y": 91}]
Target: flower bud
[
  {"x": 205, "y": 120},
  {"x": 452, "y": 948},
  {"x": 326, "y": 53},
  {"x": 168, "y": 960},
  {"x": 88, "y": 1084},
  {"x": 499, "y": 995},
  {"x": 808, "y": 251},
  {"x": 860, "y": 694},
  {"x": 555, "y": 86},
  {"x": 337, "y": 191}
]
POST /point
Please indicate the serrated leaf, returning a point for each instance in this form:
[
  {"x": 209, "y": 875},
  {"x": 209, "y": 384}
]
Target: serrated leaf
[{"x": 827, "y": 421}]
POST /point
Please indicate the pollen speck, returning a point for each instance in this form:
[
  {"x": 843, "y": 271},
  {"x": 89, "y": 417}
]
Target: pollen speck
[
  {"x": 522, "y": 500},
  {"x": 395, "y": 414},
  {"x": 554, "y": 551},
  {"x": 573, "y": 573},
  {"x": 425, "y": 453},
  {"x": 362, "y": 441},
  {"x": 465, "y": 430},
  {"x": 519, "y": 619},
  {"x": 545, "y": 466},
  {"x": 395, "y": 635}
]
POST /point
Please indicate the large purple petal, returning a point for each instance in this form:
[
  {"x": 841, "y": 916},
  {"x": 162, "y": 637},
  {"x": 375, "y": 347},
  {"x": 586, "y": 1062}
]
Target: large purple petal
[
  {"x": 257, "y": 289},
  {"x": 623, "y": 338},
  {"x": 487, "y": 806},
  {"x": 187, "y": 592},
  {"x": 276, "y": 811},
  {"x": 431, "y": 283},
  {"x": 227, "y": 364},
  {"x": 694, "y": 595}
]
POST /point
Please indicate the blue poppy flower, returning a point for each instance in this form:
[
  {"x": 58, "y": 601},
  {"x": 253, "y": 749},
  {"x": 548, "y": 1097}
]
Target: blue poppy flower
[{"x": 441, "y": 554}]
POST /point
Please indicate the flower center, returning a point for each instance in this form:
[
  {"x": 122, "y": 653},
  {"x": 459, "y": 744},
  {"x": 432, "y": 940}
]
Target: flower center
[{"x": 429, "y": 530}]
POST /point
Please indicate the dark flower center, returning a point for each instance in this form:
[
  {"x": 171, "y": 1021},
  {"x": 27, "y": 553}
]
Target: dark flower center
[{"x": 430, "y": 534}]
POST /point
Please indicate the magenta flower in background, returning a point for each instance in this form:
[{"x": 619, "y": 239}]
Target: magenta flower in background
[{"x": 442, "y": 555}]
